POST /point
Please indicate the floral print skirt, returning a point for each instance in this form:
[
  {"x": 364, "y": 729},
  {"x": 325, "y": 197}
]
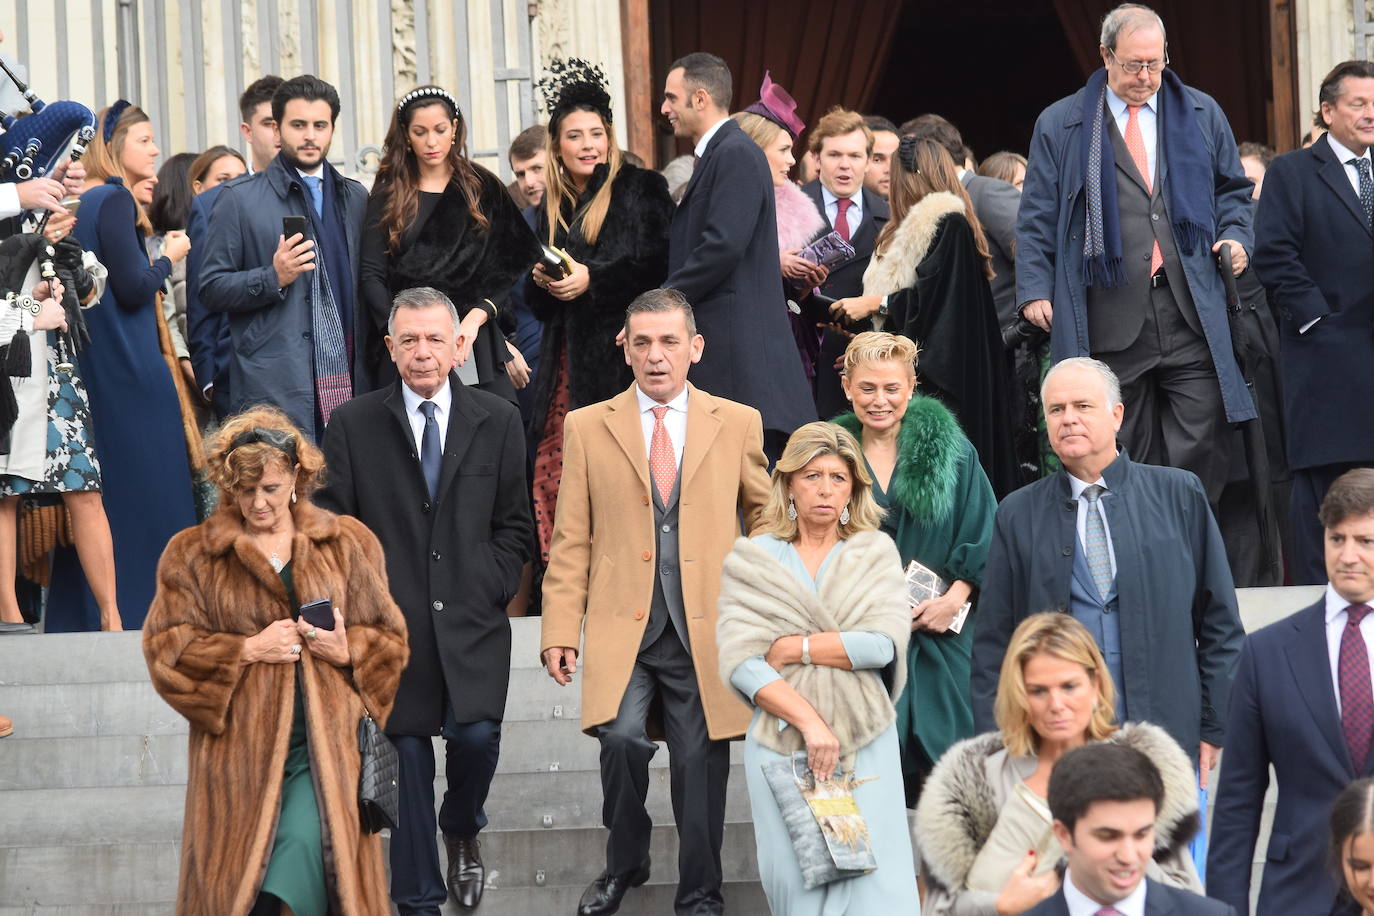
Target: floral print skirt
[{"x": 70, "y": 464}]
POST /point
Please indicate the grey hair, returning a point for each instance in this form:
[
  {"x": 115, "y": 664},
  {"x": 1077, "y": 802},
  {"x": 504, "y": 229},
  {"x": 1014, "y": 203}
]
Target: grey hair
[
  {"x": 1127, "y": 18},
  {"x": 419, "y": 297},
  {"x": 662, "y": 300},
  {"x": 1110, "y": 383}
]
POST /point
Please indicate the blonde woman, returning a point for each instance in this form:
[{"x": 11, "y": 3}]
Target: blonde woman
[
  {"x": 812, "y": 632},
  {"x": 987, "y": 847}
]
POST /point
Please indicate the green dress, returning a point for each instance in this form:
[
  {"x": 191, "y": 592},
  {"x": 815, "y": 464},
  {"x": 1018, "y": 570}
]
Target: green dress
[
  {"x": 940, "y": 509},
  {"x": 295, "y": 873}
]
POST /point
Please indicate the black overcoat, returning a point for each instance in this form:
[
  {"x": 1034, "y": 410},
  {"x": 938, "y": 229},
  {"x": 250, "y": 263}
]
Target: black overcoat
[
  {"x": 723, "y": 256},
  {"x": 453, "y": 563},
  {"x": 1180, "y": 629}
]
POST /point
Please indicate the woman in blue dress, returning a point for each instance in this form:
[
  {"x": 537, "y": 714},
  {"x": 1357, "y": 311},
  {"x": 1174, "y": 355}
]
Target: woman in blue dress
[
  {"x": 813, "y": 631},
  {"x": 135, "y": 415}
]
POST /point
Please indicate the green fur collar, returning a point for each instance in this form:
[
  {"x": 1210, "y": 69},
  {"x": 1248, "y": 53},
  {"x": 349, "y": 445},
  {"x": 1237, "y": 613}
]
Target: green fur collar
[{"x": 929, "y": 445}]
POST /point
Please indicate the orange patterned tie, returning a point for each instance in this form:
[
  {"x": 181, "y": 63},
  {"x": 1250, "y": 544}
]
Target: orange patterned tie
[
  {"x": 1136, "y": 145},
  {"x": 662, "y": 464}
]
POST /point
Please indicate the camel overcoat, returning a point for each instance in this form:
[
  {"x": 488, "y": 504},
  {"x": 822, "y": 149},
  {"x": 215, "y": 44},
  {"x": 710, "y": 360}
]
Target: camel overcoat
[
  {"x": 214, "y": 591},
  {"x": 600, "y": 580}
]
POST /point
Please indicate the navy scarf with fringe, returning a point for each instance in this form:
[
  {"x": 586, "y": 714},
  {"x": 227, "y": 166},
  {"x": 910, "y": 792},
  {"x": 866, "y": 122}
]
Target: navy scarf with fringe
[{"x": 1190, "y": 189}]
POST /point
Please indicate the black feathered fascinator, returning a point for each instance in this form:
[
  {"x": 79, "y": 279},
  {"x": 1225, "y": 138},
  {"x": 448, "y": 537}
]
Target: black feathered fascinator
[{"x": 573, "y": 82}]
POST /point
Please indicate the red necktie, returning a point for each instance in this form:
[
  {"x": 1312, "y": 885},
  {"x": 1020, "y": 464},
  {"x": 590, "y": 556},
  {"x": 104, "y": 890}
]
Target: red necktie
[
  {"x": 842, "y": 221},
  {"x": 1135, "y": 143},
  {"x": 1357, "y": 695},
  {"x": 662, "y": 464}
]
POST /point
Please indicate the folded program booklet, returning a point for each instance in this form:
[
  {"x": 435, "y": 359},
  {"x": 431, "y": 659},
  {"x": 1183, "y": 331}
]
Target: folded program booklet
[{"x": 922, "y": 584}]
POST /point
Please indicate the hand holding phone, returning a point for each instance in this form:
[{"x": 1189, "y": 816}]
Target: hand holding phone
[
  {"x": 293, "y": 258},
  {"x": 319, "y": 613}
]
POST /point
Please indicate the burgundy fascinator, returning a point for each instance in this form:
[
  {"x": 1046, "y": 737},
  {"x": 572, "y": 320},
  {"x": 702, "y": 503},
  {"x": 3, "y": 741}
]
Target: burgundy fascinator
[{"x": 777, "y": 106}]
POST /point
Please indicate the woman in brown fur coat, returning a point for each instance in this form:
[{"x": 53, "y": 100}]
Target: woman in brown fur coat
[{"x": 271, "y": 822}]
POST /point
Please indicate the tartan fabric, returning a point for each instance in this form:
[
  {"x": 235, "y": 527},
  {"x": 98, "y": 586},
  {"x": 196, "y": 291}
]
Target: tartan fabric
[{"x": 1357, "y": 693}]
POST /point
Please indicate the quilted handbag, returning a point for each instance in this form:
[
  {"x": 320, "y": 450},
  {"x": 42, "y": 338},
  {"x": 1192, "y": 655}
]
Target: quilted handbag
[{"x": 379, "y": 800}]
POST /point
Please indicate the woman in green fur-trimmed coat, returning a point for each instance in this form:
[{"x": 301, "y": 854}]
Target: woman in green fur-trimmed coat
[{"x": 940, "y": 508}]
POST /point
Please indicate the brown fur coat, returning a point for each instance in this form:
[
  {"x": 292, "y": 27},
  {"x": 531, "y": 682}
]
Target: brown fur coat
[{"x": 215, "y": 590}]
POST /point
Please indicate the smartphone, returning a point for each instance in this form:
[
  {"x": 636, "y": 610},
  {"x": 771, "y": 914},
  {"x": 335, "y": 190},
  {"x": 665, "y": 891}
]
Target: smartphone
[
  {"x": 319, "y": 613},
  {"x": 295, "y": 225}
]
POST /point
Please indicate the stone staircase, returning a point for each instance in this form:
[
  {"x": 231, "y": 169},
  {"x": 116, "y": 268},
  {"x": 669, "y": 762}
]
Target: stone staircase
[{"x": 92, "y": 785}]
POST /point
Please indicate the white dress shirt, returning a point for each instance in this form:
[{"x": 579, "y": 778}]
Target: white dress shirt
[
  {"x": 700, "y": 149},
  {"x": 1336, "y": 618},
  {"x": 1080, "y": 904},
  {"x": 832, "y": 208},
  {"x": 443, "y": 400},
  {"x": 1344, "y": 155},
  {"x": 1077, "y": 487},
  {"x": 675, "y": 421},
  {"x": 9, "y": 200},
  {"x": 1149, "y": 131}
]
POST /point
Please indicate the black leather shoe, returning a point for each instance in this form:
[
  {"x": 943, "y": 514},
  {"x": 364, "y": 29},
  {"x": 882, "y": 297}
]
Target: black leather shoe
[
  {"x": 466, "y": 873},
  {"x": 605, "y": 893}
]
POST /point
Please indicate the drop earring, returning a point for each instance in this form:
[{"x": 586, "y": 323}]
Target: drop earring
[
  {"x": 293, "y": 496},
  {"x": 791, "y": 509},
  {"x": 844, "y": 515}
]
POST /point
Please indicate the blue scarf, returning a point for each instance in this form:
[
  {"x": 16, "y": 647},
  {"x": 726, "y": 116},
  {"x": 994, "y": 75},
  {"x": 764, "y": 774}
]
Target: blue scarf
[{"x": 1190, "y": 188}]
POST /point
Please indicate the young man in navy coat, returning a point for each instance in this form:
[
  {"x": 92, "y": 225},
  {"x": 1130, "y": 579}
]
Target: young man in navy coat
[
  {"x": 723, "y": 256},
  {"x": 1301, "y": 704}
]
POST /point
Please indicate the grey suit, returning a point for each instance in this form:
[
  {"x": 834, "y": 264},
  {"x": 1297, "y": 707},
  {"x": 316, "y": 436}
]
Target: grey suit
[{"x": 995, "y": 204}]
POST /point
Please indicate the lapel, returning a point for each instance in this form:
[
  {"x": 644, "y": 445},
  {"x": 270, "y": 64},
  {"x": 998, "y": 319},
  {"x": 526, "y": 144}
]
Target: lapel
[
  {"x": 1124, "y": 161},
  {"x": 1332, "y": 171},
  {"x": 1311, "y": 667},
  {"x": 1121, "y": 528},
  {"x": 396, "y": 406},
  {"x": 703, "y": 423},
  {"x": 812, "y": 189},
  {"x": 701, "y": 163},
  {"x": 1158, "y": 901},
  {"x": 866, "y": 235},
  {"x": 465, "y": 416},
  {"x": 622, "y": 422}
]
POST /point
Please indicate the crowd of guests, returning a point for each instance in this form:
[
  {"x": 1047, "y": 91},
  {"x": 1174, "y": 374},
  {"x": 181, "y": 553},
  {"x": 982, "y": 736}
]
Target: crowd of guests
[{"x": 1088, "y": 389}]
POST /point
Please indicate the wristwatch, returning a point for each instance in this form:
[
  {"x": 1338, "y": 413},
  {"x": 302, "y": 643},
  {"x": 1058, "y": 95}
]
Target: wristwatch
[{"x": 806, "y": 650}]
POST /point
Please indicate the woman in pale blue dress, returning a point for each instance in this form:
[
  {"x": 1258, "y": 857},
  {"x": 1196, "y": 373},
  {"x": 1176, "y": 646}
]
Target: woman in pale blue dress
[{"x": 813, "y": 614}]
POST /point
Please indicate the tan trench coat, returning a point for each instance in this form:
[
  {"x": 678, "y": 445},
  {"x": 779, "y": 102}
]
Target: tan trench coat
[{"x": 600, "y": 580}]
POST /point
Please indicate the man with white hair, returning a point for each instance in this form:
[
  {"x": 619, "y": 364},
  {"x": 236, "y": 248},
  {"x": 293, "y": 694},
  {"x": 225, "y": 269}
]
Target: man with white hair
[{"x": 1133, "y": 552}]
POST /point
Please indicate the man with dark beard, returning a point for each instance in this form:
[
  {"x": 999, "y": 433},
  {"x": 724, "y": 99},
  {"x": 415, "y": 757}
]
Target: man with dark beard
[{"x": 291, "y": 298}]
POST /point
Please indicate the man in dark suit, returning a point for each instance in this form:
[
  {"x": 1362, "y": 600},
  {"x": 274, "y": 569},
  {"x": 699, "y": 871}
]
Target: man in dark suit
[
  {"x": 1133, "y": 185},
  {"x": 1104, "y": 799},
  {"x": 723, "y": 255},
  {"x": 437, "y": 470},
  {"x": 1301, "y": 705},
  {"x": 1133, "y": 552},
  {"x": 843, "y": 145},
  {"x": 1314, "y": 252}
]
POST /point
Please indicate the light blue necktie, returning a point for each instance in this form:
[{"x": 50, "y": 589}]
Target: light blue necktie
[
  {"x": 316, "y": 185},
  {"x": 1099, "y": 558}
]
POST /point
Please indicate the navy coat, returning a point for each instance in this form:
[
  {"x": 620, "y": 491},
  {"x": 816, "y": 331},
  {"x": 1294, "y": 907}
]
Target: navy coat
[
  {"x": 1160, "y": 900},
  {"x": 1053, "y": 213},
  {"x": 207, "y": 333},
  {"x": 271, "y": 358},
  {"x": 1283, "y": 714},
  {"x": 723, "y": 256},
  {"x": 1315, "y": 255},
  {"x": 1180, "y": 629}
]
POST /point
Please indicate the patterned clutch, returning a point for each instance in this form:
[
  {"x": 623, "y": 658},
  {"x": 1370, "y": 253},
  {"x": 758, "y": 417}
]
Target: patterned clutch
[{"x": 829, "y": 835}]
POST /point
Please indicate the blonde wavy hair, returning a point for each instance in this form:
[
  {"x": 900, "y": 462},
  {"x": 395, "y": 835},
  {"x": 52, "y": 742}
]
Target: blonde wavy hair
[
  {"x": 812, "y": 441},
  {"x": 880, "y": 347},
  {"x": 1059, "y": 636},
  {"x": 234, "y": 469}
]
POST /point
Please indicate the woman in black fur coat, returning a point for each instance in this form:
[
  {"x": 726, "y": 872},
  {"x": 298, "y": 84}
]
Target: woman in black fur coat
[
  {"x": 435, "y": 218},
  {"x": 611, "y": 219}
]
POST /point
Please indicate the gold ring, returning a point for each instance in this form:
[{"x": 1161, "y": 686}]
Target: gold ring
[{"x": 311, "y": 634}]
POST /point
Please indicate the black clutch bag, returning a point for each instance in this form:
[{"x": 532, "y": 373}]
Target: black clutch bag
[
  {"x": 379, "y": 802},
  {"x": 556, "y": 262}
]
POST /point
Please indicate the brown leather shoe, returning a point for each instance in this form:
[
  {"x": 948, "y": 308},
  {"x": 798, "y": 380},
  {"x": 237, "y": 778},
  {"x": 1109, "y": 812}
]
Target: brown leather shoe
[
  {"x": 6, "y": 726},
  {"x": 466, "y": 873}
]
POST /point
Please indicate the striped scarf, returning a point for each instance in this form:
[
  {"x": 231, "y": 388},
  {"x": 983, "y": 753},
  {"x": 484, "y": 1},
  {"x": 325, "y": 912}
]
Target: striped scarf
[{"x": 333, "y": 383}]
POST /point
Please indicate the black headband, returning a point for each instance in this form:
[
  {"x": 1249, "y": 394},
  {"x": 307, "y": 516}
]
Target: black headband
[
  {"x": 112, "y": 118},
  {"x": 278, "y": 439},
  {"x": 906, "y": 153}
]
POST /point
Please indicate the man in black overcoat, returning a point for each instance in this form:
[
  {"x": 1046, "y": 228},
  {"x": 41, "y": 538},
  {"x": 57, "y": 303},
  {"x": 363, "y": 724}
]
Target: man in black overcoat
[
  {"x": 1314, "y": 252},
  {"x": 437, "y": 470},
  {"x": 723, "y": 256}
]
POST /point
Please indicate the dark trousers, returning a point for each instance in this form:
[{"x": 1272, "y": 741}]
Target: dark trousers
[
  {"x": 1307, "y": 562},
  {"x": 1174, "y": 415},
  {"x": 697, "y": 766},
  {"x": 470, "y": 755}
]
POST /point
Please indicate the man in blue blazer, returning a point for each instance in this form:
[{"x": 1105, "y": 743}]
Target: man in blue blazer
[
  {"x": 723, "y": 256},
  {"x": 1104, "y": 799},
  {"x": 1314, "y": 252},
  {"x": 1301, "y": 704}
]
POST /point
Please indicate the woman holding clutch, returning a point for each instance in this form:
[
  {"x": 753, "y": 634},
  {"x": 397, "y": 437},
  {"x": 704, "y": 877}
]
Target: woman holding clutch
[
  {"x": 812, "y": 630},
  {"x": 984, "y": 805},
  {"x": 611, "y": 219},
  {"x": 939, "y": 511}
]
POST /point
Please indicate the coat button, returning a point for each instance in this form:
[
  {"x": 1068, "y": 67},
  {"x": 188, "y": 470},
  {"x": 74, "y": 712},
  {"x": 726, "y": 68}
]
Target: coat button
[
  {"x": 424, "y": 507},
  {"x": 645, "y": 497},
  {"x": 639, "y": 615},
  {"x": 1154, "y": 216},
  {"x": 665, "y": 570},
  {"x": 667, "y": 529},
  {"x": 438, "y": 605},
  {"x": 1067, "y": 551},
  {"x": 305, "y": 334},
  {"x": 436, "y": 555},
  {"x": 647, "y": 555}
]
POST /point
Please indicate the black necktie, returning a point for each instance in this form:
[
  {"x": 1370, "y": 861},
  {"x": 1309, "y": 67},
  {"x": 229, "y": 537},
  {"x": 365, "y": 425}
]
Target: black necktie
[
  {"x": 1366, "y": 189},
  {"x": 430, "y": 456}
]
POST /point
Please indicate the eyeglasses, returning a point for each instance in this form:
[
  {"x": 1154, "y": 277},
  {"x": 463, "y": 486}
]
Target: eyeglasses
[{"x": 1133, "y": 67}]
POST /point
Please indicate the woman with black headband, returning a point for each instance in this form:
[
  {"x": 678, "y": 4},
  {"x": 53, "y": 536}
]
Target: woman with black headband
[
  {"x": 928, "y": 280},
  {"x": 611, "y": 219},
  {"x": 436, "y": 218},
  {"x": 273, "y": 632}
]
